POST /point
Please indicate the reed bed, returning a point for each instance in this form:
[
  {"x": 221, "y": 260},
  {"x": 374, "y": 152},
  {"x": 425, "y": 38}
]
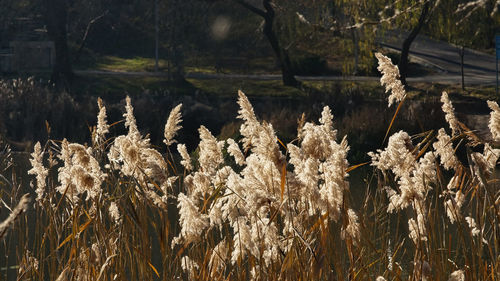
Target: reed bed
[{"x": 255, "y": 208}]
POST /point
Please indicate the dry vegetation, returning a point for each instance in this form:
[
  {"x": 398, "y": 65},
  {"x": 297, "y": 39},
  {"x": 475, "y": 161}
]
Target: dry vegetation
[{"x": 254, "y": 208}]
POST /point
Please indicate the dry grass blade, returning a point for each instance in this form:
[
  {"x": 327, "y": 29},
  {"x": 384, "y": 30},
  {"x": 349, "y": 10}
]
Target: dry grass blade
[
  {"x": 474, "y": 140},
  {"x": 275, "y": 213},
  {"x": 283, "y": 180},
  {"x": 352, "y": 168},
  {"x": 80, "y": 230},
  {"x": 103, "y": 267},
  {"x": 282, "y": 144},
  {"x": 66, "y": 240},
  {"x": 317, "y": 224},
  {"x": 64, "y": 276},
  {"x": 21, "y": 207},
  {"x": 393, "y": 119},
  {"x": 154, "y": 269}
]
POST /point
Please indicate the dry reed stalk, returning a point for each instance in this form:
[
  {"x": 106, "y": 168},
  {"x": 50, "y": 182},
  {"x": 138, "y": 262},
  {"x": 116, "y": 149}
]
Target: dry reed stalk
[
  {"x": 283, "y": 212},
  {"x": 21, "y": 207}
]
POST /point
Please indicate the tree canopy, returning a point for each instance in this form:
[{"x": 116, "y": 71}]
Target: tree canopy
[{"x": 303, "y": 37}]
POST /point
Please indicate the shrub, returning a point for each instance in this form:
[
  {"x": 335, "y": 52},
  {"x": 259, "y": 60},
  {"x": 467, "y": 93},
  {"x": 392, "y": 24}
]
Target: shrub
[{"x": 310, "y": 65}]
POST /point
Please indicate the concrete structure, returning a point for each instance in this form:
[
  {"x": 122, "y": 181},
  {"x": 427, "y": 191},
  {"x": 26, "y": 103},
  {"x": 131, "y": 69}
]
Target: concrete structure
[
  {"x": 25, "y": 47},
  {"x": 31, "y": 55},
  {"x": 6, "y": 61}
]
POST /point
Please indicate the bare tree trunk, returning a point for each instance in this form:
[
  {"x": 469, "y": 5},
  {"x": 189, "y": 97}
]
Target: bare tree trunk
[
  {"x": 55, "y": 13},
  {"x": 405, "y": 50},
  {"x": 355, "y": 41},
  {"x": 176, "y": 39},
  {"x": 280, "y": 52}
]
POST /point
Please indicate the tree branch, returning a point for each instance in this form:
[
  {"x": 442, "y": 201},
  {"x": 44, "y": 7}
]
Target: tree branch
[
  {"x": 251, "y": 8},
  {"x": 87, "y": 30},
  {"x": 269, "y": 8}
]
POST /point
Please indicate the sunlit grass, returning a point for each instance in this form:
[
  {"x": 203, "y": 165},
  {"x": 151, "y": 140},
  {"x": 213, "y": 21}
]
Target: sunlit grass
[
  {"x": 123, "y": 64},
  {"x": 113, "y": 63}
]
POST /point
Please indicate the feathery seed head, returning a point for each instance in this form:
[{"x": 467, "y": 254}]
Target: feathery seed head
[
  {"x": 114, "y": 213},
  {"x": 352, "y": 231},
  {"x": 81, "y": 172},
  {"x": 472, "y": 225},
  {"x": 130, "y": 122},
  {"x": 186, "y": 160},
  {"x": 397, "y": 156},
  {"x": 453, "y": 205},
  {"x": 102, "y": 125},
  {"x": 457, "y": 275},
  {"x": 172, "y": 125},
  {"x": 444, "y": 148},
  {"x": 192, "y": 222},
  {"x": 390, "y": 78},
  {"x": 449, "y": 111},
  {"x": 250, "y": 127},
  {"x": 494, "y": 123},
  {"x": 234, "y": 150},
  {"x": 418, "y": 230},
  {"x": 210, "y": 151},
  {"x": 39, "y": 170}
]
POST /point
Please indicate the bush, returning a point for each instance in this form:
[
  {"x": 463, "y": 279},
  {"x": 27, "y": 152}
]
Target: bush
[
  {"x": 27, "y": 107},
  {"x": 310, "y": 65}
]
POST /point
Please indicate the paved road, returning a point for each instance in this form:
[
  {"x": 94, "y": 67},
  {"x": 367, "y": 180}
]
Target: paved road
[{"x": 479, "y": 68}]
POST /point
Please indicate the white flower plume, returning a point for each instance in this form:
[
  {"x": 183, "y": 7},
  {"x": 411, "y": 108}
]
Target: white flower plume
[
  {"x": 39, "y": 170},
  {"x": 444, "y": 148},
  {"x": 234, "y": 150},
  {"x": 172, "y": 125},
  {"x": 130, "y": 122},
  {"x": 81, "y": 172},
  {"x": 186, "y": 160},
  {"x": 102, "y": 125},
  {"x": 210, "y": 151},
  {"x": 191, "y": 220},
  {"x": 249, "y": 127},
  {"x": 449, "y": 111},
  {"x": 494, "y": 123},
  {"x": 390, "y": 78},
  {"x": 457, "y": 276}
]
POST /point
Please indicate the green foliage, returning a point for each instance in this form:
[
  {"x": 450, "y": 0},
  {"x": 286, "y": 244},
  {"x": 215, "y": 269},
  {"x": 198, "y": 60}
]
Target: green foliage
[
  {"x": 474, "y": 30},
  {"x": 310, "y": 65}
]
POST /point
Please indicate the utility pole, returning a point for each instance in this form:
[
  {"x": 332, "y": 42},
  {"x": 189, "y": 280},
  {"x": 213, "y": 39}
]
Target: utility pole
[
  {"x": 157, "y": 32},
  {"x": 461, "y": 52}
]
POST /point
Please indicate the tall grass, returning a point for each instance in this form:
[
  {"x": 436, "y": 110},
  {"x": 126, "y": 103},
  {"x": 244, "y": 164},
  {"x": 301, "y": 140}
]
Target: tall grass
[{"x": 255, "y": 208}]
